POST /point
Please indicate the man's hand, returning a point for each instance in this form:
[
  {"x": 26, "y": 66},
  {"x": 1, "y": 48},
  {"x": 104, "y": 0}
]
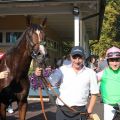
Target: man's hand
[
  {"x": 94, "y": 117},
  {"x": 3, "y": 74}
]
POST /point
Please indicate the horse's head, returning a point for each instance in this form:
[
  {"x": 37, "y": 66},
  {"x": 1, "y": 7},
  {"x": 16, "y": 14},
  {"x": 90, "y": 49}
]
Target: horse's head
[{"x": 36, "y": 37}]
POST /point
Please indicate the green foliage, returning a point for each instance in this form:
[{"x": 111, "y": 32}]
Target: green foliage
[
  {"x": 31, "y": 70},
  {"x": 66, "y": 47},
  {"x": 110, "y": 34}
]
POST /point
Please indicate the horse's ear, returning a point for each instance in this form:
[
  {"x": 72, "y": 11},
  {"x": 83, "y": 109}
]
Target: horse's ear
[
  {"x": 28, "y": 21},
  {"x": 44, "y": 22}
]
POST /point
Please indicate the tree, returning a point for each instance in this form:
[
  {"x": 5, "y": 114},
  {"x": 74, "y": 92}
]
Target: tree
[
  {"x": 66, "y": 46},
  {"x": 110, "y": 35}
]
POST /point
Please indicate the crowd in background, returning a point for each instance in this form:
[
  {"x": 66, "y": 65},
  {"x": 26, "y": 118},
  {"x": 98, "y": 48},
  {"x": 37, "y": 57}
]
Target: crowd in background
[{"x": 93, "y": 61}]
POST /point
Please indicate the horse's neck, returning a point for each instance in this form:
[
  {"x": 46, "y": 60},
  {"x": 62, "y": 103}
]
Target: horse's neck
[
  {"x": 23, "y": 45},
  {"x": 20, "y": 55},
  {"x": 24, "y": 50}
]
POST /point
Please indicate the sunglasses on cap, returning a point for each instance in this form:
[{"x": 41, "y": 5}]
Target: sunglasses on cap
[
  {"x": 114, "y": 59},
  {"x": 111, "y": 54},
  {"x": 77, "y": 56}
]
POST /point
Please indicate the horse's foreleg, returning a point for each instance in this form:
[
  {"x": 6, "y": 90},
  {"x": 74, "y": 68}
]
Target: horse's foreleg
[
  {"x": 22, "y": 107},
  {"x": 3, "y": 111}
]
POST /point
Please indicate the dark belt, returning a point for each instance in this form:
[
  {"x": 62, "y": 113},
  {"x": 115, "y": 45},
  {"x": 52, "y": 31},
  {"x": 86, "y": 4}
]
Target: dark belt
[
  {"x": 78, "y": 109},
  {"x": 72, "y": 106}
]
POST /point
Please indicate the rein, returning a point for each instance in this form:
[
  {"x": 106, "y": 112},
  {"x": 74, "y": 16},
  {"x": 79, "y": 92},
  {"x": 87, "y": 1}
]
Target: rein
[{"x": 42, "y": 104}]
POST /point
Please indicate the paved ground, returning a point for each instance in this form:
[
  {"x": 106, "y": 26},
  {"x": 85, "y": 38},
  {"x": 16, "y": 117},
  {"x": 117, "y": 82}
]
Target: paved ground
[{"x": 34, "y": 111}]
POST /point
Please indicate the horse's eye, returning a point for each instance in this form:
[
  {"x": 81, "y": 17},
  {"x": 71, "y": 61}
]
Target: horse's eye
[{"x": 43, "y": 43}]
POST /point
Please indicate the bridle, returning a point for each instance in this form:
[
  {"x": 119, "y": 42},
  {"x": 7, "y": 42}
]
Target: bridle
[{"x": 34, "y": 51}]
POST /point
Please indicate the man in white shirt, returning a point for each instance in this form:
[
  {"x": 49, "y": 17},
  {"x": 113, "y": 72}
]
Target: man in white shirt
[{"x": 76, "y": 83}]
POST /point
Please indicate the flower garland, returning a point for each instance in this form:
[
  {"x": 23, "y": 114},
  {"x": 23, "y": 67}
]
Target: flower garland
[{"x": 36, "y": 82}]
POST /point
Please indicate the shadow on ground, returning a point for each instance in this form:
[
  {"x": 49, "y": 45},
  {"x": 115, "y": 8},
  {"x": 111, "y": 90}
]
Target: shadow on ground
[{"x": 34, "y": 111}]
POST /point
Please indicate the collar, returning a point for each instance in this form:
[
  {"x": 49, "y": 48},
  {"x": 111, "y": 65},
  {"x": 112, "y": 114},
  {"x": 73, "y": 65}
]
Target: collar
[{"x": 82, "y": 69}]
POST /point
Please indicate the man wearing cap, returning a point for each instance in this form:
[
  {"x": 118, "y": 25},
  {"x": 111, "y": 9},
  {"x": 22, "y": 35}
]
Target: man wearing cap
[
  {"x": 77, "y": 82},
  {"x": 3, "y": 74}
]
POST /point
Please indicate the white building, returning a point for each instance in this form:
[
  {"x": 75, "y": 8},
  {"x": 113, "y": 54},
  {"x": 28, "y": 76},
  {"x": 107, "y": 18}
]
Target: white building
[{"x": 74, "y": 20}]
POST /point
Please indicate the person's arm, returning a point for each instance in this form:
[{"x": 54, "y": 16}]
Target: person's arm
[
  {"x": 92, "y": 103},
  {"x": 94, "y": 91},
  {"x": 55, "y": 77},
  {"x": 3, "y": 74},
  {"x": 99, "y": 75}
]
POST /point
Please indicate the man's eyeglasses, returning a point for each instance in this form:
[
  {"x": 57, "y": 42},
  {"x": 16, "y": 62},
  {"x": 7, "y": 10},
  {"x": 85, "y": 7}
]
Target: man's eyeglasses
[
  {"x": 77, "y": 56},
  {"x": 114, "y": 60}
]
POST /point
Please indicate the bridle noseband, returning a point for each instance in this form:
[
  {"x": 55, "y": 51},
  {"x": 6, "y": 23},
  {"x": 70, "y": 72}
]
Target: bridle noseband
[{"x": 35, "y": 52}]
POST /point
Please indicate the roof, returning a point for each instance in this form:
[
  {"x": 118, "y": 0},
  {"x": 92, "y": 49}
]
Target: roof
[{"x": 60, "y": 14}]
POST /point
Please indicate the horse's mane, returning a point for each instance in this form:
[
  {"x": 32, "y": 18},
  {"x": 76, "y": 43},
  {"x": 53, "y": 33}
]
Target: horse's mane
[{"x": 14, "y": 47}]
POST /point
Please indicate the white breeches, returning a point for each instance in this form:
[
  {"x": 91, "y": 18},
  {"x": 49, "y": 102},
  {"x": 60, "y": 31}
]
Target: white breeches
[{"x": 108, "y": 112}]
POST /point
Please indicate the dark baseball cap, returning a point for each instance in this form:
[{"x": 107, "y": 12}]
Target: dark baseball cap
[{"x": 77, "y": 50}]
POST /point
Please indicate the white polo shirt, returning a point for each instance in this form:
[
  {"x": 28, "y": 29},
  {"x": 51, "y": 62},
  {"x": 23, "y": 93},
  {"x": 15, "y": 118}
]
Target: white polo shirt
[{"x": 75, "y": 87}]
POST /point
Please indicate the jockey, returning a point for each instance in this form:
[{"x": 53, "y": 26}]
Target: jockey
[
  {"x": 110, "y": 82},
  {"x": 3, "y": 74}
]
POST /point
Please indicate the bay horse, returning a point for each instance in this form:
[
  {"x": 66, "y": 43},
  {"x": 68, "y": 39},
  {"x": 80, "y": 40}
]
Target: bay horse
[{"x": 17, "y": 61}]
